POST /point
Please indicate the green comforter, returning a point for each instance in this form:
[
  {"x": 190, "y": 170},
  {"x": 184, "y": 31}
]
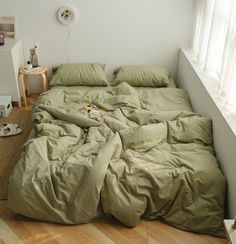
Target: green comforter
[{"x": 149, "y": 157}]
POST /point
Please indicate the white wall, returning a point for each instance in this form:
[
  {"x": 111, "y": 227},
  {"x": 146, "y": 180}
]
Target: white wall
[
  {"x": 224, "y": 138},
  {"x": 107, "y": 31}
]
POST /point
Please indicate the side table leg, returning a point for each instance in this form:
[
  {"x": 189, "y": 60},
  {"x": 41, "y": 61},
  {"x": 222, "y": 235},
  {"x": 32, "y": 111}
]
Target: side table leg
[
  {"x": 22, "y": 81},
  {"x": 27, "y": 85},
  {"x": 44, "y": 81},
  {"x": 47, "y": 79}
]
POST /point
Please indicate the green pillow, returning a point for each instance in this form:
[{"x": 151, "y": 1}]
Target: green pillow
[
  {"x": 80, "y": 75},
  {"x": 139, "y": 75}
]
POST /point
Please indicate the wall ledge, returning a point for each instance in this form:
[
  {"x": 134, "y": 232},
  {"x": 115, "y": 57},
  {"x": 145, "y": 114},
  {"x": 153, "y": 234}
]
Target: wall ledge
[{"x": 210, "y": 84}]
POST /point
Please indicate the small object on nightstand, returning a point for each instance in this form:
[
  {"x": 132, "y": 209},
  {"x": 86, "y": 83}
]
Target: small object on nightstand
[
  {"x": 28, "y": 66},
  {"x": 33, "y": 57},
  {"x": 2, "y": 39},
  {"x": 41, "y": 70}
]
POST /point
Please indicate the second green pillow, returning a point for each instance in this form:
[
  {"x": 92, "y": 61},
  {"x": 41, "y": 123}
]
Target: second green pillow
[{"x": 140, "y": 75}]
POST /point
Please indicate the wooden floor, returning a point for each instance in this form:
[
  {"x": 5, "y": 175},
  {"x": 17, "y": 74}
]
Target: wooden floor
[
  {"x": 16, "y": 229},
  {"x": 10, "y": 146}
]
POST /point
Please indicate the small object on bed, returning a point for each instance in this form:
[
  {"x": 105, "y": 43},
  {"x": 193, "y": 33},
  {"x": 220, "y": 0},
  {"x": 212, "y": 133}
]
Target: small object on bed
[
  {"x": 80, "y": 75},
  {"x": 93, "y": 111},
  {"x": 140, "y": 75}
]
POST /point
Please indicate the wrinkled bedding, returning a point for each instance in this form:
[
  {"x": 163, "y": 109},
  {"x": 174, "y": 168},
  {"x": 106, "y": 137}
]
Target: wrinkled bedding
[{"x": 150, "y": 156}]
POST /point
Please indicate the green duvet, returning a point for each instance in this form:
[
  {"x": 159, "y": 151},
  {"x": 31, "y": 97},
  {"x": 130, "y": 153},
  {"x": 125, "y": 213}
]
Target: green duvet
[{"x": 148, "y": 157}]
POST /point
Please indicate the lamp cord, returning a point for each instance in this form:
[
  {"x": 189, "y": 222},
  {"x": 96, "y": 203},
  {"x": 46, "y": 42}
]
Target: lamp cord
[{"x": 68, "y": 43}]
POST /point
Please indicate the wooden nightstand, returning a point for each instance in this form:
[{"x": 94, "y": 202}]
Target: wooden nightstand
[{"x": 42, "y": 70}]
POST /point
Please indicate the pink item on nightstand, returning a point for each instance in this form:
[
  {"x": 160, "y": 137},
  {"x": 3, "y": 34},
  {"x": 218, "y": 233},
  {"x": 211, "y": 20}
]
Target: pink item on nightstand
[{"x": 2, "y": 38}]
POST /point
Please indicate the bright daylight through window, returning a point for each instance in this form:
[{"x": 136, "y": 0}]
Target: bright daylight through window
[{"x": 215, "y": 45}]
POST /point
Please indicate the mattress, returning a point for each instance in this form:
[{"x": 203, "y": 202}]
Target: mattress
[{"x": 147, "y": 156}]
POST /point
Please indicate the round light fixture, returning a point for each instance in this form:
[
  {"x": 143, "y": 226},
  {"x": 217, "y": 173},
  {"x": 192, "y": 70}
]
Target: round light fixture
[{"x": 66, "y": 15}]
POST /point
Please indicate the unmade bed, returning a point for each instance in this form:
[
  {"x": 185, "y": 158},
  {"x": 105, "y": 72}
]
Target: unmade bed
[{"x": 147, "y": 156}]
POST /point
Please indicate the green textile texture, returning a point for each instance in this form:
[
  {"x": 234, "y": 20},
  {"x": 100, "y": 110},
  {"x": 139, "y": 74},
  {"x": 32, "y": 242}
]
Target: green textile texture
[
  {"x": 150, "y": 156},
  {"x": 140, "y": 75},
  {"x": 80, "y": 75}
]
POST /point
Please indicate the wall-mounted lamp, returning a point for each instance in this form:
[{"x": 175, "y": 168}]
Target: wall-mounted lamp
[{"x": 66, "y": 15}]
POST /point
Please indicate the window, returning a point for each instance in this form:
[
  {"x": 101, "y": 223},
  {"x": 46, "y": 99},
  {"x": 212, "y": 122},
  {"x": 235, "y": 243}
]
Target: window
[{"x": 215, "y": 45}]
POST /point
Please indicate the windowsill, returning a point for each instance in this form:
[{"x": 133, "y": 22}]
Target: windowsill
[{"x": 210, "y": 85}]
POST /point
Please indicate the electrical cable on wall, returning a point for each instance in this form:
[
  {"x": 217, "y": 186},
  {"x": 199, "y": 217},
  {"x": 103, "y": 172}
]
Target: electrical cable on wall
[
  {"x": 68, "y": 43},
  {"x": 66, "y": 16}
]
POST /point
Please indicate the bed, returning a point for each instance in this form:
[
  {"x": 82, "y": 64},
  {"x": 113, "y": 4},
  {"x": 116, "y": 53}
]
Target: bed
[{"x": 148, "y": 156}]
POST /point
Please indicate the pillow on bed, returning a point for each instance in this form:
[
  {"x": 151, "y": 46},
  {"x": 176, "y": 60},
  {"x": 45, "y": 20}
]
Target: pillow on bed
[
  {"x": 80, "y": 75},
  {"x": 139, "y": 75}
]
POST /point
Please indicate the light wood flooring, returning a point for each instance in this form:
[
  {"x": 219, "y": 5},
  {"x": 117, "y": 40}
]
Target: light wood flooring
[
  {"x": 16, "y": 229},
  {"x": 10, "y": 146}
]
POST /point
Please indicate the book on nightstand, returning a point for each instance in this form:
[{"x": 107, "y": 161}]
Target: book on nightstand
[{"x": 29, "y": 70}]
